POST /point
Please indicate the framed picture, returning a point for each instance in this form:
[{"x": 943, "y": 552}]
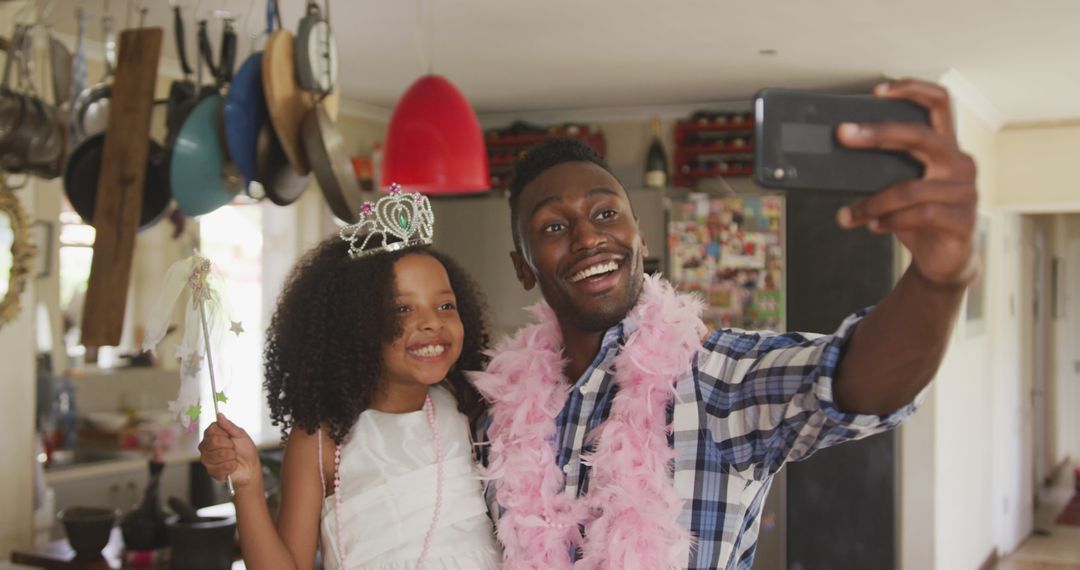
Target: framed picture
[{"x": 976, "y": 295}]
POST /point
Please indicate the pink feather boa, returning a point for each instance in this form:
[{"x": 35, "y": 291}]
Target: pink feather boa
[{"x": 630, "y": 512}]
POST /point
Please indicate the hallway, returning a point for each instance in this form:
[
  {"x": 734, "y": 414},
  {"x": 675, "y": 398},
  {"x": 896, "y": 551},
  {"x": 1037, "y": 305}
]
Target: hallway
[{"x": 1058, "y": 548}]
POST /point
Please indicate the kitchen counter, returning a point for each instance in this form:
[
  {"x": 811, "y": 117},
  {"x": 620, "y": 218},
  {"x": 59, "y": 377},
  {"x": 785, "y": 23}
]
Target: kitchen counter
[
  {"x": 94, "y": 462},
  {"x": 58, "y": 555}
]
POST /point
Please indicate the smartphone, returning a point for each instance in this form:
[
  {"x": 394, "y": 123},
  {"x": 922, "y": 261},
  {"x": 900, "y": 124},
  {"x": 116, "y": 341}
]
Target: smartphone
[{"x": 795, "y": 145}]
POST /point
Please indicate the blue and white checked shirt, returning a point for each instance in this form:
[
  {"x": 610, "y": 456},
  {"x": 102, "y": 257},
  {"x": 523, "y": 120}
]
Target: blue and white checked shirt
[{"x": 748, "y": 403}]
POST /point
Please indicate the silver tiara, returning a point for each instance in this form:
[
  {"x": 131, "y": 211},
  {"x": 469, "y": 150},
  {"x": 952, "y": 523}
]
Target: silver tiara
[{"x": 399, "y": 220}]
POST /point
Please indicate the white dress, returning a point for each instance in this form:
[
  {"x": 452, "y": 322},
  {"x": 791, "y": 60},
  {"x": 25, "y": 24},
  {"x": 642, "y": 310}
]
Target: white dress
[{"x": 388, "y": 483}]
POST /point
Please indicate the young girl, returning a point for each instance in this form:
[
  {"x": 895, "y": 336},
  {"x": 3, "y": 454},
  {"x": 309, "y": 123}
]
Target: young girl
[{"x": 365, "y": 362}]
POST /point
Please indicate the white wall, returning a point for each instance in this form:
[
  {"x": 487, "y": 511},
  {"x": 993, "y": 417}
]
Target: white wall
[{"x": 963, "y": 450}]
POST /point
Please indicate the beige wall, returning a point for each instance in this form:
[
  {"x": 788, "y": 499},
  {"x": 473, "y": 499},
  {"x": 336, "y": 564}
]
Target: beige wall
[
  {"x": 17, "y": 381},
  {"x": 1037, "y": 172},
  {"x": 981, "y": 433}
]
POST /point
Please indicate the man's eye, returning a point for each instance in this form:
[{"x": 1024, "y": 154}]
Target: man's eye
[
  {"x": 607, "y": 214},
  {"x": 554, "y": 228}
]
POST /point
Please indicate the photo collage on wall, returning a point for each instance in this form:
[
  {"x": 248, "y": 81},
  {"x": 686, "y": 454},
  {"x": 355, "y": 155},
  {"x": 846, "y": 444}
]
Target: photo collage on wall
[{"x": 731, "y": 250}]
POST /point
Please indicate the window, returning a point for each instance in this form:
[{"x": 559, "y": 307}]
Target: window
[
  {"x": 76, "y": 254},
  {"x": 232, "y": 238}
]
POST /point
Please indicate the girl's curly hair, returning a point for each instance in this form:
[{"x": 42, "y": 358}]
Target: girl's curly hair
[{"x": 334, "y": 316}]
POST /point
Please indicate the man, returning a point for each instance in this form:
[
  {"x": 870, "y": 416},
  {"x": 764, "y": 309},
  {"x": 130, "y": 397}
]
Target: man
[{"x": 624, "y": 435}]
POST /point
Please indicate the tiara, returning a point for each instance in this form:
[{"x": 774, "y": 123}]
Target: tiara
[{"x": 401, "y": 219}]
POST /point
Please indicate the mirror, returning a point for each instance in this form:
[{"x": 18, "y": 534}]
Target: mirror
[{"x": 16, "y": 253}]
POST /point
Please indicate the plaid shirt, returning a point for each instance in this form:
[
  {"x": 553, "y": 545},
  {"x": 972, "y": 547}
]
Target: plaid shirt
[{"x": 748, "y": 403}]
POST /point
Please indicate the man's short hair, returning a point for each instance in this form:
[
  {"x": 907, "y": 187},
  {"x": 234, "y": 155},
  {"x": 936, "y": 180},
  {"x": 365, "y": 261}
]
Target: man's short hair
[{"x": 547, "y": 154}]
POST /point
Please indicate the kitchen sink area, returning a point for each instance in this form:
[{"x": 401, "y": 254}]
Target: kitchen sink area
[{"x": 68, "y": 458}]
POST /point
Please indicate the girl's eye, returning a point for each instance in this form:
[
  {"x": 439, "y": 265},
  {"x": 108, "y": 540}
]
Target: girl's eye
[
  {"x": 402, "y": 309},
  {"x": 448, "y": 307}
]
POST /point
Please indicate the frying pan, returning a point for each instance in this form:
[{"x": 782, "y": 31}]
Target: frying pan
[
  {"x": 245, "y": 108},
  {"x": 333, "y": 170},
  {"x": 280, "y": 182},
  {"x": 245, "y": 114},
  {"x": 81, "y": 176},
  {"x": 197, "y": 171}
]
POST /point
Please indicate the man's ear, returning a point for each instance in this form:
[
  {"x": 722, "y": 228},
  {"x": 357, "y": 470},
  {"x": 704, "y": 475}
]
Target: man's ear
[
  {"x": 524, "y": 272},
  {"x": 644, "y": 246}
]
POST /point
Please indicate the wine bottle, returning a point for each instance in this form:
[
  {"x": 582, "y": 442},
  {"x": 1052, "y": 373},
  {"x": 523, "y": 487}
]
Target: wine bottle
[{"x": 656, "y": 170}]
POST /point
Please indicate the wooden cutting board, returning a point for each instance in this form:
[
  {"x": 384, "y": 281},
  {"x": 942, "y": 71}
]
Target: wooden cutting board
[
  {"x": 120, "y": 185},
  {"x": 286, "y": 101}
]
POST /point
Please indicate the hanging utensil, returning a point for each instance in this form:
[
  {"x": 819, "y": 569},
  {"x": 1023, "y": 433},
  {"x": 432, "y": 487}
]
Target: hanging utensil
[
  {"x": 120, "y": 185},
  {"x": 60, "y": 61},
  {"x": 286, "y": 101},
  {"x": 90, "y": 111},
  {"x": 78, "y": 73},
  {"x": 12, "y": 103},
  {"x": 182, "y": 92},
  {"x": 34, "y": 144},
  {"x": 198, "y": 172},
  {"x": 316, "y": 51},
  {"x": 222, "y": 68},
  {"x": 245, "y": 108},
  {"x": 330, "y": 163},
  {"x": 84, "y": 168},
  {"x": 279, "y": 181}
]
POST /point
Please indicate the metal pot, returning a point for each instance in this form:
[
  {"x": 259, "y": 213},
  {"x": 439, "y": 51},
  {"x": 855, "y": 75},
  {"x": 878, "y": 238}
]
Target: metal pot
[{"x": 90, "y": 110}]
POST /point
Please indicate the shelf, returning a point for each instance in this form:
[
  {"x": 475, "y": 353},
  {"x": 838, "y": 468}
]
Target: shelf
[
  {"x": 515, "y": 140},
  {"x": 689, "y": 179},
  {"x": 713, "y": 127},
  {"x": 495, "y": 161},
  {"x": 714, "y": 149},
  {"x": 529, "y": 140}
]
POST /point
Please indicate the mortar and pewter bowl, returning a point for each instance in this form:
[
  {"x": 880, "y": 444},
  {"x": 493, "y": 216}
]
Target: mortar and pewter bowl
[{"x": 88, "y": 529}]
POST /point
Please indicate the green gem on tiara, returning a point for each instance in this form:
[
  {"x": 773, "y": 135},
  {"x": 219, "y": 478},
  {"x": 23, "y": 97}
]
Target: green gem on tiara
[{"x": 403, "y": 221}]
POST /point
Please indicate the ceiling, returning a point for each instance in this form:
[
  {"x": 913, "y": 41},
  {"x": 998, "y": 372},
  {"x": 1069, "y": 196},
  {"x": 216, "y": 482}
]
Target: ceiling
[{"x": 515, "y": 56}]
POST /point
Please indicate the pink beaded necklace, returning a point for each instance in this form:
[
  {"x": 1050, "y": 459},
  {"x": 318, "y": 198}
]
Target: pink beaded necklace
[{"x": 429, "y": 409}]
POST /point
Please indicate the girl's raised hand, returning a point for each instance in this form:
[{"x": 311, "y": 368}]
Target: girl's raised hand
[{"x": 226, "y": 449}]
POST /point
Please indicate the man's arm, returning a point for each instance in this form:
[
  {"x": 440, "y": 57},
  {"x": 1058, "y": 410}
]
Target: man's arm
[{"x": 897, "y": 348}]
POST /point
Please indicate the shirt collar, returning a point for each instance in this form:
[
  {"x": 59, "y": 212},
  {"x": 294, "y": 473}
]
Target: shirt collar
[{"x": 613, "y": 338}]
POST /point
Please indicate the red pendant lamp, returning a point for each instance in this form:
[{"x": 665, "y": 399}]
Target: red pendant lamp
[{"x": 434, "y": 144}]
